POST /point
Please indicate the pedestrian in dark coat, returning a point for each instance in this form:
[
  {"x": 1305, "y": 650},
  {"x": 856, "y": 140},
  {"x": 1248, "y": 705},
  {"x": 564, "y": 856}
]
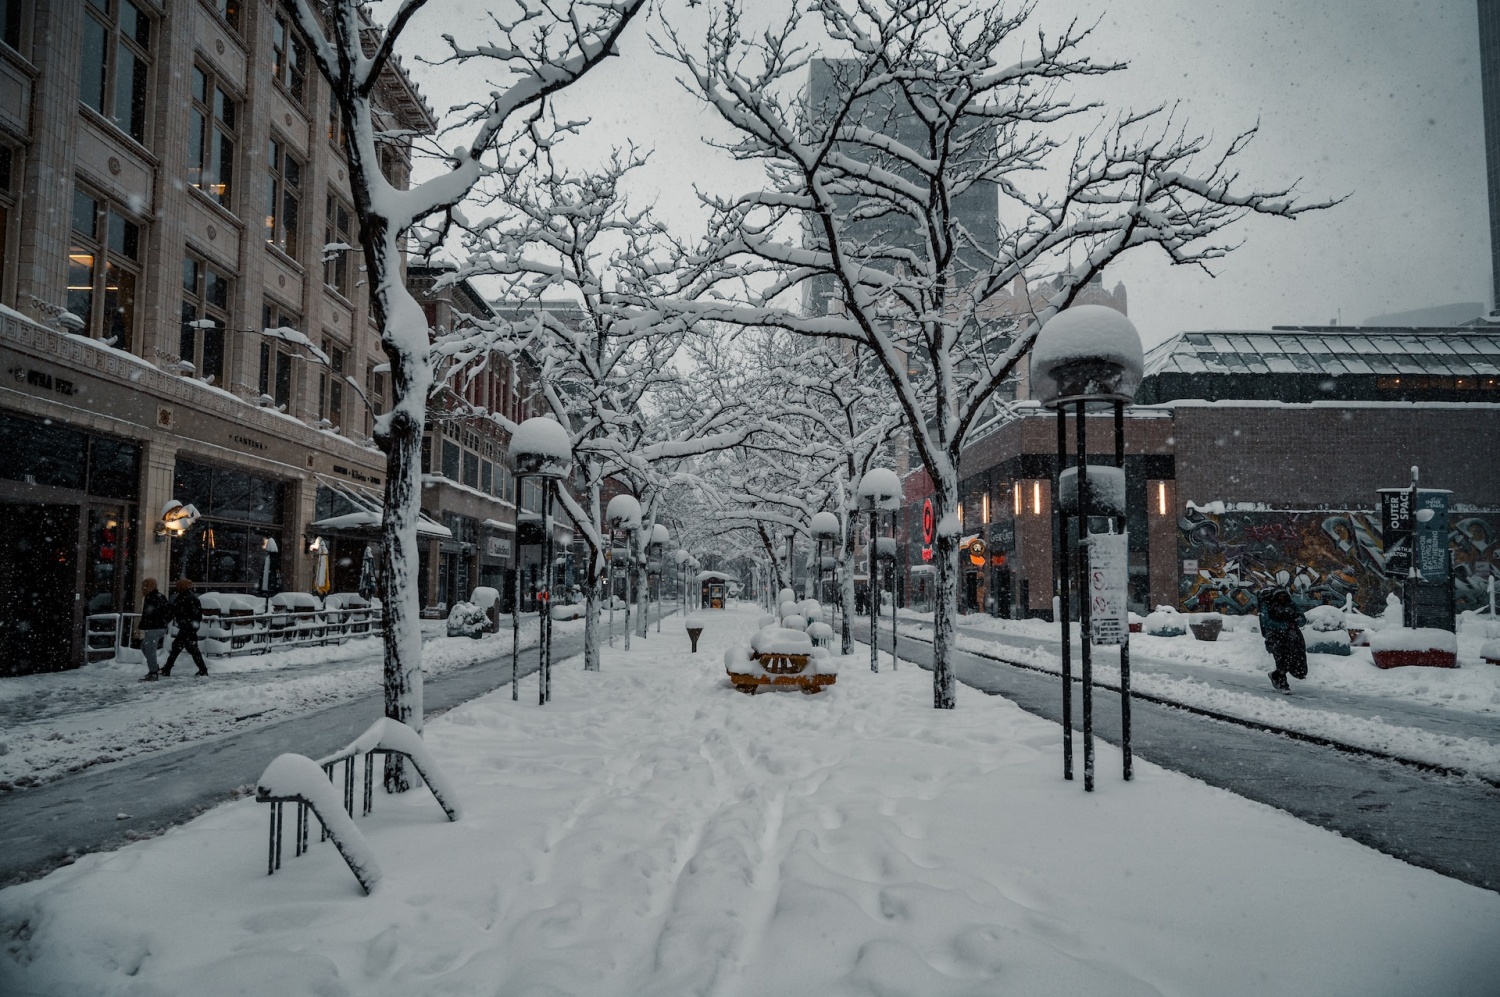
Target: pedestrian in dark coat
[
  {"x": 156, "y": 614},
  {"x": 187, "y": 613},
  {"x": 1281, "y": 624}
]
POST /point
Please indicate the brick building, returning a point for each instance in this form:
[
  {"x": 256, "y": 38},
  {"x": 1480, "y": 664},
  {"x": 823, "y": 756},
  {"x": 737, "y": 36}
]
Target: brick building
[{"x": 1248, "y": 454}]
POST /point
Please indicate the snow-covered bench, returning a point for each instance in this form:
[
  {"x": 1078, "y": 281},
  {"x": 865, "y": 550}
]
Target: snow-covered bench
[
  {"x": 780, "y": 658},
  {"x": 293, "y": 778}
]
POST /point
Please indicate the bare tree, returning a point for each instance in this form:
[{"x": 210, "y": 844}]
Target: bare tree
[
  {"x": 540, "y": 51},
  {"x": 933, "y": 104}
]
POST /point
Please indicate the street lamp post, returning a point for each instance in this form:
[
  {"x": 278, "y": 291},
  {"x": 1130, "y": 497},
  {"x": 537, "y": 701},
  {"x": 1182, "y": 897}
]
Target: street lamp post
[
  {"x": 540, "y": 448},
  {"x": 879, "y": 490},
  {"x": 1089, "y": 354},
  {"x": 622, "y": 513}
]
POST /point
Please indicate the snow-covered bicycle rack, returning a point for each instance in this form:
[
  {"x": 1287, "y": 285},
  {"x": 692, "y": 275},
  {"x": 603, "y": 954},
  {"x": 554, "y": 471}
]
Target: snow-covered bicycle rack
[
  {"x": 220, "y": 636},
  {"x": 293, "y": 778}
]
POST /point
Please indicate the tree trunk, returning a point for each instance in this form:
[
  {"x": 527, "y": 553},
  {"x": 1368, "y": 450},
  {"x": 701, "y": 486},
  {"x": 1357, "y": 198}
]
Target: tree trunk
[
  {"x": 946, "y": 557},
  {"x": 846, "y": 587},
  {"x": 593, "y": 582},
  {"x": 401, "y": 634}
]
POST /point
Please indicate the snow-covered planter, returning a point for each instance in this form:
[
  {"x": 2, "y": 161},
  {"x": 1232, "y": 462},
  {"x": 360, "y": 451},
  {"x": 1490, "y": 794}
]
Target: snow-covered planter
[
  {"x": 1396, "y": 647},
  {"x": 794, "y": 622},
  {"x": 1325, "y": 632},
  {"x": 1206, "y": 626},
  {"x": 467, "y": 620},
  {"x": 1136, "y": 621},
  {"x": 568, "y": 611},
  {"x": 766, "y": 620},
  {"x": 821, "y": 634},
  {"x": 1490, "y": 651},
  {"x": 811, "y": 608},
  {"x": 790, "y": 607},
  {"x": 1165, "y": 622}
]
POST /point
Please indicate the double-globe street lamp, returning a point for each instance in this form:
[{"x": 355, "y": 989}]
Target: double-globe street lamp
[
  {"x": 1086, "y": 355},
  {"x": 539, "y": 448},
  {"x": 879, "y": 491}
]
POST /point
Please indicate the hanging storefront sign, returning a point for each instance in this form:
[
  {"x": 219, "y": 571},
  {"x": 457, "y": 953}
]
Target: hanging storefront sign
[
  {"x": 1109, "y": 559},
  {"x": 1431, "y": 529},
  {"x": 498, "y": 547},
  {"x": 1395, "y": 530},
  {"x": 929, "y": 523}
]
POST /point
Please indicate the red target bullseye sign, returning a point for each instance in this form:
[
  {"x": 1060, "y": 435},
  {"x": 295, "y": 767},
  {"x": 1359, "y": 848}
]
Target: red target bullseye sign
[{"x": 929, "y": 522}]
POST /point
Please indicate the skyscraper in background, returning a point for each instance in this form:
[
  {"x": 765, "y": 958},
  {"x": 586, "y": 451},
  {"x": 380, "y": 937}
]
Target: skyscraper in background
[{"x": 1489, "y": 81}]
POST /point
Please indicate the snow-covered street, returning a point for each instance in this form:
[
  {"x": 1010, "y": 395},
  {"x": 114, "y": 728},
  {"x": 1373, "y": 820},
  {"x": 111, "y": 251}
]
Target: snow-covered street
[{"x": 653, "y": 831}]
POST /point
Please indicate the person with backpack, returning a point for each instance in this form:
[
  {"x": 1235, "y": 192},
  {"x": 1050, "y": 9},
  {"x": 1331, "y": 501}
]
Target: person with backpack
[
  {"x": 187, "y": 613},
  {"x": 1281, "y": 624},
  {"x": 156, "y": 613}
]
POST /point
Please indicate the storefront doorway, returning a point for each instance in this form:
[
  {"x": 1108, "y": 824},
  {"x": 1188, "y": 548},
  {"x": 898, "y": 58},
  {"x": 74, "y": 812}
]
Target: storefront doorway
[{"x": 38, "y": 578}]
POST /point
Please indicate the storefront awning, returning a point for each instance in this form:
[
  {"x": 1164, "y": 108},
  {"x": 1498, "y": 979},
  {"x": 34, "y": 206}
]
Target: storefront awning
[{"x": 366, "y": 517}]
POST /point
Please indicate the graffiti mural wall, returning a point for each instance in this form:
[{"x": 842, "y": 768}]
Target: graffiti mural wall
[{"x": 1229, "y": 556}]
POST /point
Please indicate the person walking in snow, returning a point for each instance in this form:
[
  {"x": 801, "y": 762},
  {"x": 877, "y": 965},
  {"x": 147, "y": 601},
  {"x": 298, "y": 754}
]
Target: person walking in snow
[
  {"x": 156, "y": 613},
  {"x": 1281, "y": 625},
  {"x": 187, "y": 613}
]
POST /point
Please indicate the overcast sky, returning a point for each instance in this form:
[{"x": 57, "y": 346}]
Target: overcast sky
[{"x": 1376, "y": 99}]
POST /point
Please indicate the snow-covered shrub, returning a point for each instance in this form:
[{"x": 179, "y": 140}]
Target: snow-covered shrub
[
  {"x": 790, "y": 607},
  {"x": 821, "y": 633},
  {"x": 766, "y": 620},
  {"x": 1165, "y": 622},
  {"x": 811, "y": 608},
  {"x": 1325, "y": 619},
  {"x": 568, "y": 611},
  {"x": 786, "y": 595},
  {"x": 794, "y": 622},
  {"x": 467, "y": 620}
]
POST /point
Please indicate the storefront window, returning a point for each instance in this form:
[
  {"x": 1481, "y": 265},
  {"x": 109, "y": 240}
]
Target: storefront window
[{"x": 229, "y": 548}]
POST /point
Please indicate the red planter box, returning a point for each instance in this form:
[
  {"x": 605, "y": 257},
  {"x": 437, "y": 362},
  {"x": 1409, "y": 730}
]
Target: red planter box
[{"x": 1429, "y": 659}]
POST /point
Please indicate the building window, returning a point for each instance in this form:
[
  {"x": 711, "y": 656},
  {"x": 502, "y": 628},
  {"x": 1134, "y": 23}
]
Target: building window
[
  {"x": 336, "y": 246},
  {"x": 116, "y": 63},
  {"x": 374, "y": 397},
  {"x": 8, "y": 163},
  {"x": 10, "y": 22},
  {"x": 451, "y": 457},
  {"x": 290, "y": 56},
  {"x": 205, "y": 316},
  {"x": 335, "y": 126},
  {"x": 283, "y": 199},
  {"x": 276, "y": 362},
  {"x": 228, "y": 11},
  {"x": 471, "y": 469},
  {"x": 211, "y": 138},
  {"x": 331, "y": 384},
  {"x": 104, "y": 270}
]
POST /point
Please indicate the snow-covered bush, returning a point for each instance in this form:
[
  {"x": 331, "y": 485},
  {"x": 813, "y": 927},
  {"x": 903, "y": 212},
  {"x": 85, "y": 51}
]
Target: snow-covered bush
[
  {"x": 812, "y": 609},
  {"x": 790, "y": 607},
  {"x": 1165, "y": 622},
  {"x": 766, "y": 620},
  {"x": 821, "y": 634},
  {"x": 1325, "y": 619},
  {"x": 786, "y": 595},
  {"x": 467, "y": 620},
  {"x": 794, "y": 622},
  {"x": 568, "y": 611}
]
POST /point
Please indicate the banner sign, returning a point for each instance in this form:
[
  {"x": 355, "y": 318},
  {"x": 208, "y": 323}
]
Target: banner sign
[
  {"x": 1109, "y": 561},
  {"x": 1431, "y": 530},
  {"x": 929, "y": 523},
  {"x": 1395, "y": 530},
  {"x": 498, "y": 547}
]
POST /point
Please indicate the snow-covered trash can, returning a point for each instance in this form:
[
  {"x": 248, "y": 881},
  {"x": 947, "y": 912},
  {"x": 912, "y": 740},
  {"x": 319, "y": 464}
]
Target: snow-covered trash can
[
  {"x": 467, "y": 620},
  {"x": 488, "y": 599}
]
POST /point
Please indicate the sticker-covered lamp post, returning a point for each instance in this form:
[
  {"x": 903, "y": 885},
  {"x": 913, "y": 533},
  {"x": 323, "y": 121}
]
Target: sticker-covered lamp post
[
  {"x": 824, "y": 527},
  {"x": 622, "y": 513},
  {"x": 879, "y": 491},
  {"x": 659, "y": 537},
  {"x": 1086, "y": 355},
  {"x": 540, "y": 448}
]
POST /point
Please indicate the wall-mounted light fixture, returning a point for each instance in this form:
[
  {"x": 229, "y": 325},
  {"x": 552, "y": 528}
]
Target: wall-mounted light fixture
[
  {"x": 1036, "y": 498},
  {"x": 176, "y": 519},
  {"x": 984, "y": 508},
  {"x": 1161, "y": 498}
]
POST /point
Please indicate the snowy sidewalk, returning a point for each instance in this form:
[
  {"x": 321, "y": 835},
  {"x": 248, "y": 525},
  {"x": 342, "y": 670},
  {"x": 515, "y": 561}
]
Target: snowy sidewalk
[
  {"x": 1447, "y": 717},
  {"x": 653, "y": 831}
]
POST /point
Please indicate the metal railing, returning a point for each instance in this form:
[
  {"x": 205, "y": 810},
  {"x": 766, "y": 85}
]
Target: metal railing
[{"x": 106, "y": 634}]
